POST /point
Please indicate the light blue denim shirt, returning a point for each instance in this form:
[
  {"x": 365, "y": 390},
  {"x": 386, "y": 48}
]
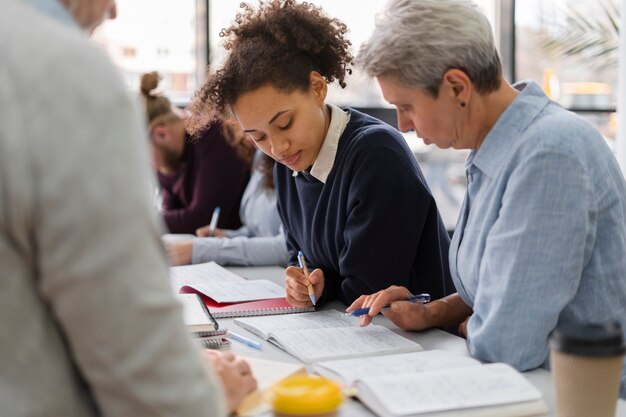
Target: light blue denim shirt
[{"x": 541, "y": 238}]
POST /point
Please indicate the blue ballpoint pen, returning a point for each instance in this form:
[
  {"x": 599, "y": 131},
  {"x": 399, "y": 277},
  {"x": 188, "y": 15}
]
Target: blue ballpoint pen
[
  {"x": 305, "y": 270},
  {"x": 419, "y": 298},
  {"x": 248, "y": 342}
]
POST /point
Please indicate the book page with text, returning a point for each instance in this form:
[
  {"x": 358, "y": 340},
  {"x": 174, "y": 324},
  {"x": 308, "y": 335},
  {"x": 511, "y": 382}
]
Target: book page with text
[
  {"x": 197, "y": 274},
  {"x": 311, "y": 345},
  {"x": 349, "y": 370},
  {"x": 263, "y": 326},
  {"x": 234, "y": 292},
  {"x": 448, "y": 389}
]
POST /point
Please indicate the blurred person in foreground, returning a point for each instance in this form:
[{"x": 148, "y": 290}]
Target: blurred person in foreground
[
  {"x": 90, "y": 326},
  {"x": 542, "y": 230},
  {"x": 195, "y": 176}
]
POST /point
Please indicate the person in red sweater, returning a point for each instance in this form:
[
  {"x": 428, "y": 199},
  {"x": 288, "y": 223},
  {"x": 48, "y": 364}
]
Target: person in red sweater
[{"x": 195, "y": 175}]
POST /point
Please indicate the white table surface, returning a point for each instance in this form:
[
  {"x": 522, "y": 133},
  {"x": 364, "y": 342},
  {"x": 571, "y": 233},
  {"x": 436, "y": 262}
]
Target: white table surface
[{"x": 431, "y": 339}]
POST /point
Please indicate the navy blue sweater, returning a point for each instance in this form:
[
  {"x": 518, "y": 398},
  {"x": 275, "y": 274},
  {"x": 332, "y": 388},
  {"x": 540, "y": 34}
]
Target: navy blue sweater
[{"x": 373, "y": 223}]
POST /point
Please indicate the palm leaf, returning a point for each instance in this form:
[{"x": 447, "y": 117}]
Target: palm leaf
[{"x": 587, "y": 37}]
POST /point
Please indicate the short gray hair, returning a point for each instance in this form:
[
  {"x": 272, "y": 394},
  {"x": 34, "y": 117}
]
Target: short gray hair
[{"x": 416, "y": 41}]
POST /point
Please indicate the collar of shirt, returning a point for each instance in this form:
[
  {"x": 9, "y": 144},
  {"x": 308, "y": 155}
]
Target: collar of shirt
[
  {"x": 508, "y": 128},
  {"x": 326, "y": 158},
  {"x": 55, "y": 10}
]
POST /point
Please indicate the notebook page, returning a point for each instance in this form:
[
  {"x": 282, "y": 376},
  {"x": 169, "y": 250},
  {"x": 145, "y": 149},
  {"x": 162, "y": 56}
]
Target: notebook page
[
  {"x": 233, "y": 292},
  {"x": 312, "y": 345},
  {"x": 449, "y": 389},
  {"x": 264, "y": 325},
  {"x": 349, "y": 370},
  {"x": 194, "y": 275}
]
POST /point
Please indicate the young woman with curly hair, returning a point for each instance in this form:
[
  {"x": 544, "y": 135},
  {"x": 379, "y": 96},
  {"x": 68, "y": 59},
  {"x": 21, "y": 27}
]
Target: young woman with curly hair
[{"x": 350, "y": 193}]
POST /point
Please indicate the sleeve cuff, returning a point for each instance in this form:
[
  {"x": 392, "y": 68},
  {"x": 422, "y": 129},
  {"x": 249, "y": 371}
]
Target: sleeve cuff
[{"x": 205, "y": 250}]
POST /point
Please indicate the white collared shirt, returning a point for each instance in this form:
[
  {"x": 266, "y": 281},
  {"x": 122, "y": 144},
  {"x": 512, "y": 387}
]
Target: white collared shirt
[{"x": 326, "y": 157}]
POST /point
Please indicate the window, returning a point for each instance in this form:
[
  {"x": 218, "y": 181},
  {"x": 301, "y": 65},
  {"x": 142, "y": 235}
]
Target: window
[
  {"x": 570, "y": 48},
  {"x": 171, "y": 37},
  {"x": 156, "y": 36},
  {"x": 358, "y": 15},
  {"x": 444, "y": 169}
]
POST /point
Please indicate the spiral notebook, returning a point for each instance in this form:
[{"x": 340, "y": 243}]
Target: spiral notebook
[
  {"x": 252, "y": 308},
  {"x": 216, "y": 342},
  {"x": 227, "y": 294}
]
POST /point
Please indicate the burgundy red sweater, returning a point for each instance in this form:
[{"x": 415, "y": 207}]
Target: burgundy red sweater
[{"x": 211, "y": 175}]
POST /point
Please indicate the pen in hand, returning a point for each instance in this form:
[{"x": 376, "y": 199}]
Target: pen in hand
[
  {"x": 419, "y": 298},
  {"x": 214, "y": 219},
  {"x": 305, "y": 270}
]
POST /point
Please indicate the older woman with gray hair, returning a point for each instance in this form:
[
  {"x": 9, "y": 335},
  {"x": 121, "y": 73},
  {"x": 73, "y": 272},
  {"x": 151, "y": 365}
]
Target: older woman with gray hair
[{"x": 541, "y": 235}]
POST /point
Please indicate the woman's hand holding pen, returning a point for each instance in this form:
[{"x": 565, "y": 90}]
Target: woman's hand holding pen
[
  {"x": 235, "y": 374},
  {"x": 296, "y": 289},
  {"x": 205, "y": 231},
  {"x": 404, "y": 314},
  {"x": 447, "y": 311}
]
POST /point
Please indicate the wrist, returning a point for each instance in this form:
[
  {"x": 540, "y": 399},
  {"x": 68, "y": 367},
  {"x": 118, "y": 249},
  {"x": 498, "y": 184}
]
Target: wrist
[
  {"x": 438, "y": 311},
  {"x": 188, "y": 252}
]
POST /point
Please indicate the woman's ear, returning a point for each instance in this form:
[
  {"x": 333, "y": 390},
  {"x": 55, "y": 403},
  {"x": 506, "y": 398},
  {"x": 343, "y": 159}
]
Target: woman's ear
[
  {"x": 457, "y": 85},
  {"x": 318, "y": 87},
  {"x": 160, "y": 134}
]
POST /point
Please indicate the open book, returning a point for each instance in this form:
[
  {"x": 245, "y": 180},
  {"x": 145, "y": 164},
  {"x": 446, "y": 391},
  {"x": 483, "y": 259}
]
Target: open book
[
  {"x": 227, "y": 294},
  {"x": 436, "y": 384},
  {"x": 325, "y": 335}
]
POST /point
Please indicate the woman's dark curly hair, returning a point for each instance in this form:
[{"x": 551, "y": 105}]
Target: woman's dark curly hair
[{"x": 279, "y": 43}]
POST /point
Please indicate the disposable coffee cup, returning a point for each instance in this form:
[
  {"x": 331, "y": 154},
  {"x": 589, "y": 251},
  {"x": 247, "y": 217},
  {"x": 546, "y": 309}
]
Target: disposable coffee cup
[{"x": 586, "y": 362}]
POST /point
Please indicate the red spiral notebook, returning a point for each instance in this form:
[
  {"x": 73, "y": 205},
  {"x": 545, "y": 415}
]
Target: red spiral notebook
[
  {"x": 248, "y": 308},
  {"x": 193, "y": 279}
]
